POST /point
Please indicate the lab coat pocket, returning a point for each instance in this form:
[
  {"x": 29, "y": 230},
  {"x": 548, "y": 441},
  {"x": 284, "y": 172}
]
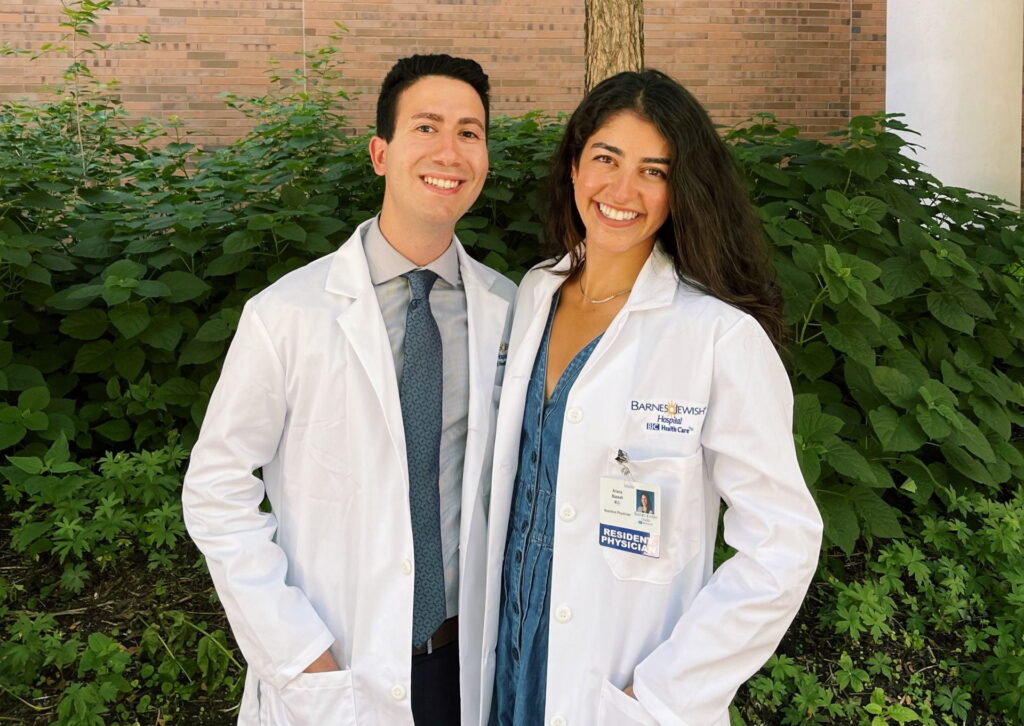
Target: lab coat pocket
[
  {"x": 617, "y": 709},
  {"x": 679, "y": 507},
  {"x": 309, "y": 699}
]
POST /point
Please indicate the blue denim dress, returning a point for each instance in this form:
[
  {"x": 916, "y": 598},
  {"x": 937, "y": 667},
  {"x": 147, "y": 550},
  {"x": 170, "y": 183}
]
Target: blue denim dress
[{"x": 521, "y": 661}]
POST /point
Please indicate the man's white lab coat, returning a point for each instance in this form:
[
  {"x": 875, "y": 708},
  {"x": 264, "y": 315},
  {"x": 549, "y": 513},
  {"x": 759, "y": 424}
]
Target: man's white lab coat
[{"x": 308, "y": 393}]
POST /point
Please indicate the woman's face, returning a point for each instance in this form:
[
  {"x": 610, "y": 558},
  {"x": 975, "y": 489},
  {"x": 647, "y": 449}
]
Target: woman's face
[
  {"x": 644, "y": 501},
  {"x": 621, "y": 184}
]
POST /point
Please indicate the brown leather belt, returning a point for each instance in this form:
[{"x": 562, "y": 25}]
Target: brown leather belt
[{"x": 447, "y": 632}]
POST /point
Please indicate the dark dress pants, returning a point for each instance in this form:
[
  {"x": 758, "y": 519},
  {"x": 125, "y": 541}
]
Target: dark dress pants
[{"x": 435, "y": 687}]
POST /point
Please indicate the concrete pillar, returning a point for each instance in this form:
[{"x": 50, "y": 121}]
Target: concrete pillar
[{"x": 954, "y": 68}]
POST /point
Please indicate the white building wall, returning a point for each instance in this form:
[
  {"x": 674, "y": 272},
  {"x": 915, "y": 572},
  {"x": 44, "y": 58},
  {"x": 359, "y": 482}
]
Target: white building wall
[{"x": 954, "y": 68}]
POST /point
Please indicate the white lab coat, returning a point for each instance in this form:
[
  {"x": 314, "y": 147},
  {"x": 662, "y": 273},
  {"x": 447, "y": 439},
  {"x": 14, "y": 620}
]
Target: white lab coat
[
  {"x": 685, "y": 637},
  {"x": 308, "y": 392}
]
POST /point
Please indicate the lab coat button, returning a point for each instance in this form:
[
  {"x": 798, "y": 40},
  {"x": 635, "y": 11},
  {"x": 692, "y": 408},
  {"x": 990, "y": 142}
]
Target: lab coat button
[
  {"x": 567, "y": 512},
  {"x": 406, "y": 567},
  {"x": 563, "y": 614},
  {"x": 398, "y": 692},
  {"x": 574, "y": 415},
  {"x": 558, "y": 721}
]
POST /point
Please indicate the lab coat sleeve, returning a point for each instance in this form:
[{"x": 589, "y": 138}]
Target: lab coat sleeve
[
  {"x": 276, "y": 626},
  {"x": 738, "y": 618}
]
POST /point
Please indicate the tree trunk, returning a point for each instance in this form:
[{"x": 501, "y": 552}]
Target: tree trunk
[{"x": 613, "y": 38}]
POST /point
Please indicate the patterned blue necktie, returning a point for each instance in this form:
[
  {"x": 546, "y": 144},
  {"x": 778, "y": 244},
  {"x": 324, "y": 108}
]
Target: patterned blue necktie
[{"x": 420, "y": 390}]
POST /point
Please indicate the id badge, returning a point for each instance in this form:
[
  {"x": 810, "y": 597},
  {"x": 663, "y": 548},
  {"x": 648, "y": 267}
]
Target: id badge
[{"x": 630, "y": 517}]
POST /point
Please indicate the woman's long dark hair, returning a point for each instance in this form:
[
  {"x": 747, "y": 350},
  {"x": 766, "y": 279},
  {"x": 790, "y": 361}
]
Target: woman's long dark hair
[{"x": 712, "y": 233}]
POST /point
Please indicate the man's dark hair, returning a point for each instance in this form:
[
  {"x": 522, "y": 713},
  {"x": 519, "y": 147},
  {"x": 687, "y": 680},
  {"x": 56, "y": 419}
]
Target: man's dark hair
[{"x": 409, "y": 70}]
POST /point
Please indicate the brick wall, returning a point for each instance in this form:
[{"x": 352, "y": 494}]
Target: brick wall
[{"x": 811, "y": 63}]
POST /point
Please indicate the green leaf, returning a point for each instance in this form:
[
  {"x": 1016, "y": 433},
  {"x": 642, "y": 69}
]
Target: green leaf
[
  {"x": 241, "y": 240},
  {"x": 866, "y": 162},
  {"x": 850, "y": 463},
  {"x": 93, "y": 357},
  {"x": 228, "y": 264},
  {"x": 130, "y": 318},
  {"x": 897, "y": 433},
  {"x": 966, "y": 464},
  {"x": 115, "y": 430},
  {"x": 214, "y": 330},
  {"x": 179, "y": 391},
  {"x": 970, "y": 436},
  {"x": 814, "y": 359},
  {"x": 124, "y": 269},
  {"x": 34, "y": 399},
  {"x": 28, "y": 464},
  {"x": 947, "y": 309},
  {"x": 87, "y": 324},
  {"x": 198, "y": 351},
  {"x": 901, "y": 277},
  {"x": 894, "y": 385},
  {"x": 162, "y": 333},
  {"x": 128, "y": 363},
  {"x": 841, "y": 526},
  {"x": 290, "y": 230},
  {"x": 261, "y": 222},
  {"x": 848, "y": 339},
  {"x": 58, "y": 453},
  {"x": 183, "y": 286},
  {"x": 152, "y": 288},
  {"x": 912, "y": 236},
  {"x": 880, "y": 518},
  {"x": 10, "y": 434}
]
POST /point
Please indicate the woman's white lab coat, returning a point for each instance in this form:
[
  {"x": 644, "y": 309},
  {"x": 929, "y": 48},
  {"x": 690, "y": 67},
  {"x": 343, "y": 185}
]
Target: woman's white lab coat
[
  {"x": 693, "y": 393},
  {"x": 308, "y": 392}
]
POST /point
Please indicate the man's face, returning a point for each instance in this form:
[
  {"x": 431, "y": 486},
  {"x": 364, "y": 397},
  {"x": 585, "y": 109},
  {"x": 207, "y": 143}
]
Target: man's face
[{"x": 436, "y": 162}]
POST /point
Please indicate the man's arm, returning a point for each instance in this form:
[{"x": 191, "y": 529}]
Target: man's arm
[{"x": 277, "y": 628}]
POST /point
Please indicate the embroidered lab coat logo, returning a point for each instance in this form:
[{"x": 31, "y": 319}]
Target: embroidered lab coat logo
[{"x": 669, "y": 417}]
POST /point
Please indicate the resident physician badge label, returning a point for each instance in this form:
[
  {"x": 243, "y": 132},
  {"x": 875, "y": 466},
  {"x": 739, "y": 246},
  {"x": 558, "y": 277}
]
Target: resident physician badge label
[{"x": 630, "y": 516}]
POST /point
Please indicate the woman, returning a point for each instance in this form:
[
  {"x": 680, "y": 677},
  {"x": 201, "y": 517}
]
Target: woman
[{"x": 643, "y": 359}]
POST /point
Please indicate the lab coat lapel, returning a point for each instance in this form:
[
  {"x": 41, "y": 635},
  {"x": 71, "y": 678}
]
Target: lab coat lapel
[
  {"x": 487, "y": 314},
  {"x": 362, "y": 324}
]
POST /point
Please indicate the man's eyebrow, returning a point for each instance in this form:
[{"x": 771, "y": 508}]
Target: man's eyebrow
[
  {"x": 617, "y": 151},
  {"x": 438, "y": 118}
]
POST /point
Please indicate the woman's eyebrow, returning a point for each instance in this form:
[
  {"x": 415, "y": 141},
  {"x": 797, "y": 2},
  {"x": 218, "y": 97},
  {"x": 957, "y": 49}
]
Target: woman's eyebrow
[{"x": 616, "y": 150}]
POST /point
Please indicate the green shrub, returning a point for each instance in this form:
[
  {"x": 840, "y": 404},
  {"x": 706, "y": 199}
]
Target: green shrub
[
  {"x": 906, "y": 302},
  {"x": 927, "y": 629}
]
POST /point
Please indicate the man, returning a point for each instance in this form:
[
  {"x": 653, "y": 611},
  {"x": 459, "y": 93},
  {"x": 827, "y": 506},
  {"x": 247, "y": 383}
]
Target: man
[{"x": 357, "y": 598}]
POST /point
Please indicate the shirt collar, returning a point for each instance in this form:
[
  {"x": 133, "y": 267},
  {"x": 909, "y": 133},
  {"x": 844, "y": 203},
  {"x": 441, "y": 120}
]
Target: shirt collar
[{"x": 386, "y": 263}]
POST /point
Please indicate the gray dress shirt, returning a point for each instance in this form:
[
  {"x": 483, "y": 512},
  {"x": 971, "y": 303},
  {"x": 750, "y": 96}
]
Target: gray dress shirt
[{"x": 448, "y": 304}]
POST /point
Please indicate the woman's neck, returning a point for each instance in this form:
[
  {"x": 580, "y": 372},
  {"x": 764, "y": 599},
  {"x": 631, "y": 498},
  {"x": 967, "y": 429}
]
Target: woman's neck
[{"x": 609, "y": 273}]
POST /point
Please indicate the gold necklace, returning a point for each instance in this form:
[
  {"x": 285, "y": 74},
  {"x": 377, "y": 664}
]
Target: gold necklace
[{"x": 592, "y": 301}]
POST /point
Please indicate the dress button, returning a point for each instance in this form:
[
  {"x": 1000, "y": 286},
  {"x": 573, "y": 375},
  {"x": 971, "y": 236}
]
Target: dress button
[
  {"x": 519, "y": 555},
  {"x": 515, "y": 609},
  {"x": 563, "y": 614},
  {"x": 574, "y": 415},
  {"x": 533, "y": 457},
  {"x": 398, "y": 692},
  {"x": 558, "y": 721},
  {"x": 406, "y": 567},
  {"x": 529, "y": 495},
  {"x": 567, "y": 512},
  {"x": 515, "y": 653}
]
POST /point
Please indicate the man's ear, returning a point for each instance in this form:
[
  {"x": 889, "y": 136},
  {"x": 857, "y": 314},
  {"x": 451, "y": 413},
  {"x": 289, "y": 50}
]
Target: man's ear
[{"x": 379, "y": 155}]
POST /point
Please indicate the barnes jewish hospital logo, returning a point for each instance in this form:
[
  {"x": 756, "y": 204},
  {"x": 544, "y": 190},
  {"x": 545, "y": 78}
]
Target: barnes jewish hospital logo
[{"x": 667, "y": 416}]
